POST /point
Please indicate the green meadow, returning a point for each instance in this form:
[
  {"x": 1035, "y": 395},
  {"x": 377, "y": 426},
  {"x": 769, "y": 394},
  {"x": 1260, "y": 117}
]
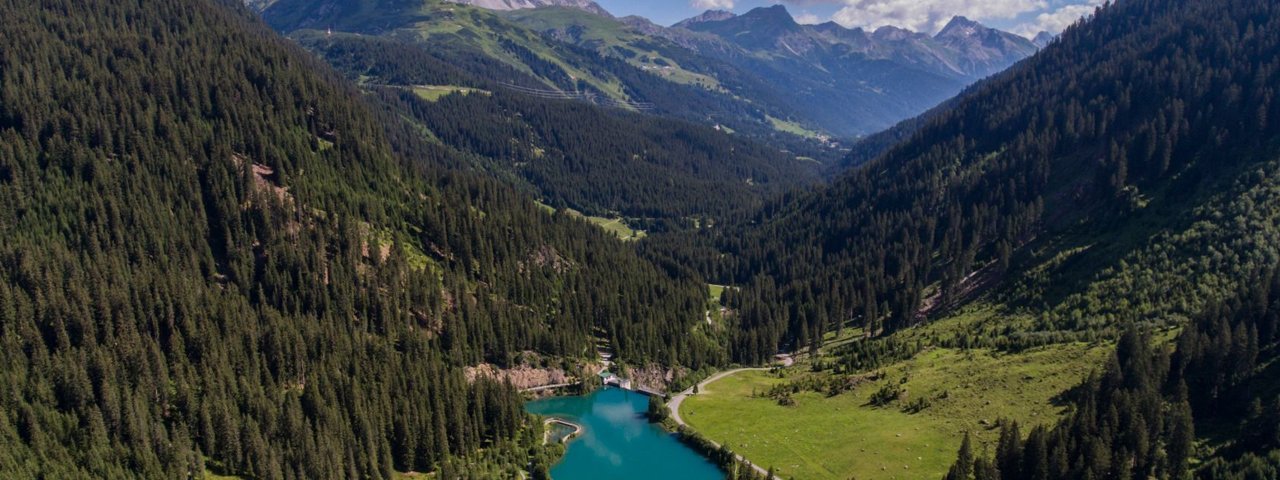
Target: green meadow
[{"x": 840, "y": 437}]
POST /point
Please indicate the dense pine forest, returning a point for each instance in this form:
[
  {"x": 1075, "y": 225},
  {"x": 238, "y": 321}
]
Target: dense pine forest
[
  {"x": 658, "y": 171},
  {"x": 217, "y": 256},
  {"x": 1096, "y": 180}
]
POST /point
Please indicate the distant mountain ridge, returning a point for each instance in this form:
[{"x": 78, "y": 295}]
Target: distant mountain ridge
[
  {"x": 851, "y": 80},
  {"x": 504, "y": 5},
  {"x": 848, "y": 82},
  {"x": 759, "y": 73},
  {"x": 963, "y": 49},
  {"x": 707, "y": 16}
]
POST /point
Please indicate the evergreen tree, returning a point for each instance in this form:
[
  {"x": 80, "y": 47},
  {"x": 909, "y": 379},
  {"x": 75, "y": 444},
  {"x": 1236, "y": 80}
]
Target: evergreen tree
[{"x": 964, "y": 467}]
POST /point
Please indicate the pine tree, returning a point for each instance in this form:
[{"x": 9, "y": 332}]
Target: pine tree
[{"x": 964, "y": 466}]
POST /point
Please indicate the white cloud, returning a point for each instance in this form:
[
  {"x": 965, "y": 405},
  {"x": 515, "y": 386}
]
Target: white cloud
[
  {"x": 928, "y": 15},
  {"x": 807, "y": 18},
  {"x": 712, "y": 4},
  {"x": 1058, "y": 20}
]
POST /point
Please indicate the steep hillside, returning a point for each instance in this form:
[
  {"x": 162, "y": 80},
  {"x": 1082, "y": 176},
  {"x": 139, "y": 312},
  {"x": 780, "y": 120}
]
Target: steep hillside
[
  {"x": 215, "y": 256},
  {"x": 1129, "y": 163},
  {"x": 1110, "y": 206},
  {"x": 655, "y": 172}
]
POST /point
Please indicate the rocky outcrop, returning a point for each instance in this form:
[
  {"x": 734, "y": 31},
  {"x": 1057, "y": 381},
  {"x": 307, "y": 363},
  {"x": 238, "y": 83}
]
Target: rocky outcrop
[{"x": 522, "y": 377}]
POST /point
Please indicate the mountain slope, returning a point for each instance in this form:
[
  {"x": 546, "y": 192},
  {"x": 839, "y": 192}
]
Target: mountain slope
[
  {"x": 652, "y": 171},
  {"x": 585, "y": 5},
  {"x": 1090, "y": 181},
  {"x": 214, "y": 255},
  {"x": 1122, "y": 184},
  {"x": 613, "y": 67}
]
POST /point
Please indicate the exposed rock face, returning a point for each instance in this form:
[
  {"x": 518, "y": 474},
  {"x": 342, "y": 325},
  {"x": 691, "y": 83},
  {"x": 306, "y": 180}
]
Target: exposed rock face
[
  {"x": 522, "y": 377},
  {"x": 547, "y": 257},
  {"x": 980, "y": 49},
  {"x": 650, "y": 377},
  {"x": 707, "y": 16}
]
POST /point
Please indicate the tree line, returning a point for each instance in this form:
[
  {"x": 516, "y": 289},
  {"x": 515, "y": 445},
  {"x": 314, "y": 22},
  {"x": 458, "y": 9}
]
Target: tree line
[{"x": 1138, "y": 417}]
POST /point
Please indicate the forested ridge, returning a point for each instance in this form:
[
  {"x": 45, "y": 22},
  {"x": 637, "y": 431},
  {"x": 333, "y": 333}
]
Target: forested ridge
[
  {"x": 1129, "y": 161},
  {"x": 599, "y": 161},
  {"x": 215, "y": 255}
]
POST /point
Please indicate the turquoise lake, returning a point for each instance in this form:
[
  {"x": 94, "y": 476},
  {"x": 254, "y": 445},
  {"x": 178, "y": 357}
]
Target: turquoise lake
[{"x": 618, "y": 442}]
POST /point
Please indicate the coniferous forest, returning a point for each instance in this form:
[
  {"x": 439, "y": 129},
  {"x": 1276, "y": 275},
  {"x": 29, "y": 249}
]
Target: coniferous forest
[
  {"x": 224, "y": 251},
  {"x": 663, "y": 173},
  {"x": 214, "y": 250}
]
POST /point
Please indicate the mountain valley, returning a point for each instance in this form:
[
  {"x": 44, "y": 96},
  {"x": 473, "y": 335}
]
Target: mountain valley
[{"x": 513, "y": 239}]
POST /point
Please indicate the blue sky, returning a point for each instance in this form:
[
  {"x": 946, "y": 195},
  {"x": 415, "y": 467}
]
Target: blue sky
[{"x": 1026, "y": 17}]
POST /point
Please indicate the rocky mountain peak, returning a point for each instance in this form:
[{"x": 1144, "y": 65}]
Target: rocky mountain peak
[{"x": 706, "y": 17}]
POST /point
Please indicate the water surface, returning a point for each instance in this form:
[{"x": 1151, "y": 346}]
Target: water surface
[{"x": 618, "y": 442}]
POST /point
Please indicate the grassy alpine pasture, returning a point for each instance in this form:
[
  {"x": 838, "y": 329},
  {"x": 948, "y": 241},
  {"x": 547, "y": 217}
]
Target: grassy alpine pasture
[
  {"x": 715, "y": 291},
  {"x": 433, "y": 93},
  {"x": 841, "y": 437},
  {"x": 609, "y": 37},
  {"x": 615, "y": 225},
  {"x": 787, "y": 126},
  {"x": 618, "y": 227}
]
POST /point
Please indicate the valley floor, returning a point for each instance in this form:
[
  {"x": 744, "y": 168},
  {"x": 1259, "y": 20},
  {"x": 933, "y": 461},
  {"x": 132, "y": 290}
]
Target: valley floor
[{"x": 844, "y": 436}]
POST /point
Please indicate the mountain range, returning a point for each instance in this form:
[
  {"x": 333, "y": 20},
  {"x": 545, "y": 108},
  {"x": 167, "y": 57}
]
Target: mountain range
[
  {"x": 851, "y": 81},
  {"x": 767, "y": 72}
]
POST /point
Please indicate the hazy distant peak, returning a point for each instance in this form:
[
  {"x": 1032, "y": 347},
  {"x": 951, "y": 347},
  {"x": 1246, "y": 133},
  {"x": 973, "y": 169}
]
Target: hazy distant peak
[
  {"x": 830, "y": 25},
  {"x": 890, "y": 32},
  {"x": 776, "y": 12},
  {"x": 705, "y": 17},
  {"x": 961, "y": 27},
  {"x": 1043, "y": 39}
]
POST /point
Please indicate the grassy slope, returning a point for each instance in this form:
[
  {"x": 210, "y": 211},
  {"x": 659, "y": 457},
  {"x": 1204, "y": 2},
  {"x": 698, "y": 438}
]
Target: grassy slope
[
  {"x": 793, "y": 128},
  {"x": 616, "y": 225},
  {"x": 482, "y": 28},
  {"x": 447, "y": 22},
  {"x": 844, "y": 437},
  {"x": 607, "y": 35},
  {"x": 714, "y": 291},
  {"x": 1196, "y": 256},
  {"x": 432, "y": 93}
]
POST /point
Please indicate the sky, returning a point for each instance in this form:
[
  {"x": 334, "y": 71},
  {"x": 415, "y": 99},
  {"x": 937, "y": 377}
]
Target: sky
[{"x": 1024, "y": 17}]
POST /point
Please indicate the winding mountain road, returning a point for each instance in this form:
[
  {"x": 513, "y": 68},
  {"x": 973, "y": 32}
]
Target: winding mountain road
[{"x": 678, "y": 399}]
